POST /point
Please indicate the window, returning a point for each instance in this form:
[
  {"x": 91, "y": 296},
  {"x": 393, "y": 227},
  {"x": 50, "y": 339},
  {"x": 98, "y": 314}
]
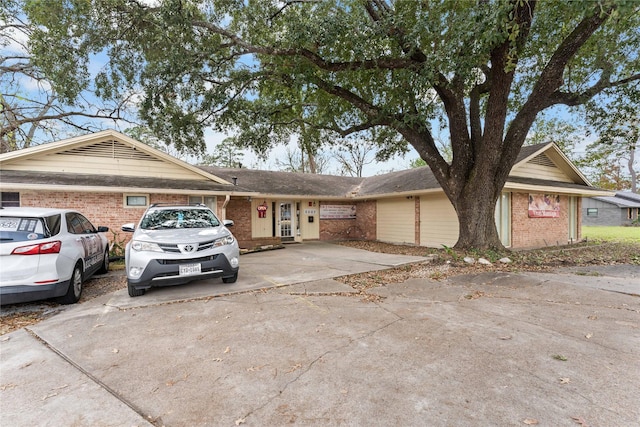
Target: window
[
  {"x": 208, "y": 201},
  {"x": 135, "y": 200},
  {"x": 503, "y": 218},
  {"x": 592, "y": 212},
  {"x": 10, "y": 200},
  {"x": 78, "y": 224},
  {"x": 629, "y": 213}
]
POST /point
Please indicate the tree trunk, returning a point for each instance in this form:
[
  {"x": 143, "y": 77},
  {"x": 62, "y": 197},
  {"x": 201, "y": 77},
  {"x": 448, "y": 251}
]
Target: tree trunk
[{"x": 475, "y": 208}]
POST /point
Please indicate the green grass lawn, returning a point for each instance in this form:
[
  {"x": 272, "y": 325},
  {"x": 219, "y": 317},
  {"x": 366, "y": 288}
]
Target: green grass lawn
[{"x": 618, "y": 234}]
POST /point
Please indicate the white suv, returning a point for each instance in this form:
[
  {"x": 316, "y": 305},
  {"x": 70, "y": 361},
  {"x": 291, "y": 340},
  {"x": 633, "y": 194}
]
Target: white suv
[
  {"x": 175, "y": 244},
  {"x": 46, "y": 253}
]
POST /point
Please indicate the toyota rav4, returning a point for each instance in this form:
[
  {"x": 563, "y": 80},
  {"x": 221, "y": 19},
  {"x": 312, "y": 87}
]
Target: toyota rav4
[{"x": 177, "y": 244}]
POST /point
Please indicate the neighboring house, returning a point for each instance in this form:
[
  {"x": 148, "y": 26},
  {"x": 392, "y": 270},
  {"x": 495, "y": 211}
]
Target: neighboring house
[
  {"x": 113, "y": 178},
  {"x": 621, "y": 209}
]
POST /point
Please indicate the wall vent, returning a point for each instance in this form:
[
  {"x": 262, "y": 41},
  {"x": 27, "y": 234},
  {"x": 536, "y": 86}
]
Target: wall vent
[
  {"x": 112, "y": 150},
  {"x": 543, "y": 160}
]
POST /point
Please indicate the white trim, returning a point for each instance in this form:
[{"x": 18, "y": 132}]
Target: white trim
[
  {"x": 125, "y": 200},
  {"x": 586, "y": 192},
  {"x": 104, "y": 189}
]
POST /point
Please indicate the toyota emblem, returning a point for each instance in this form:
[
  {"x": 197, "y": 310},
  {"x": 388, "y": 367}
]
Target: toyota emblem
[{"x": 188, "y": 248}]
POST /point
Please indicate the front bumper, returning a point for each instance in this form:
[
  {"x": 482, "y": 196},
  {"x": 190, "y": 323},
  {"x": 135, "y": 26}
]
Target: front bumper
[{"x": 166, "y": 272}]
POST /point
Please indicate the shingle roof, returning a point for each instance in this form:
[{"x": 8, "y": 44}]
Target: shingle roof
[
  {"x": 629, "y": 196},
  {"x": 399, "y": 182},
  {"x": 528, "y": 150},
  {"x": 622, "y": 200},
  {"x": 287, "y": 183}
]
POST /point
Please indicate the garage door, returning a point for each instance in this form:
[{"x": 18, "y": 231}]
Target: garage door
[
  {"x": 396, "y": 219},
  {"x": 438, "y": 222}
]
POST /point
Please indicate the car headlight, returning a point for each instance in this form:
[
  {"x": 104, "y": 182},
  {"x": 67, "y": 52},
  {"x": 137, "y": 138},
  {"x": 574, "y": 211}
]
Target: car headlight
[
  {"x": 138, "y": 245},
  {"x": 226, "y": 240}
]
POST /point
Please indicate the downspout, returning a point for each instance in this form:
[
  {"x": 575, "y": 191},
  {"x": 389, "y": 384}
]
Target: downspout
[{"x": 224, "y": 206}]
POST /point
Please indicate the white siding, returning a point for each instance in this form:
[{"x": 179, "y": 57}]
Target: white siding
[
  {"x": 310, "y": 230},
  {"x": 396, "y": 220},
  {"x": 541, "y": 167},
  {"x": 261, "y": 227},
  {"x": 104, "y": 158},
  {"x": 438, "y": 222}
]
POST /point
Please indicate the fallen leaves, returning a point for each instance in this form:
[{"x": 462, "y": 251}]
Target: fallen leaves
[
  {"x": 565, "y": 380},
  {"x": 530, "y": 421},
  {"x": 580, "y": 420},
  {"x": 294, "y": 368},
  {"x": 560, "y": 357}
]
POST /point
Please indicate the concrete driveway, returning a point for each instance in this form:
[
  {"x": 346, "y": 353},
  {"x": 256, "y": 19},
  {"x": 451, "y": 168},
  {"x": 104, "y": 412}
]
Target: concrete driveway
[{"x": 490, "y": 349}]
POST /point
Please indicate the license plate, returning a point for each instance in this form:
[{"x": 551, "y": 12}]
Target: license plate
[{"x": 189, "y": 269}]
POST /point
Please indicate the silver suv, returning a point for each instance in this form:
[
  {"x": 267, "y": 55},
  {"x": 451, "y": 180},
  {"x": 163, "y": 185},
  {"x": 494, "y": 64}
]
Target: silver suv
[{"x": 175, "y": 244}]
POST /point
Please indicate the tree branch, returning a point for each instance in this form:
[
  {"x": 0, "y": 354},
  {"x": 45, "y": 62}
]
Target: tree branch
[
  {"x": 573, "y": 99},
  {"x": 551, "y": 79}
]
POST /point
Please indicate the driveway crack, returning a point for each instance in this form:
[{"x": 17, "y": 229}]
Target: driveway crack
[
  {"x": 302, "y": 372},
  {"x": 156, "y": 421}
]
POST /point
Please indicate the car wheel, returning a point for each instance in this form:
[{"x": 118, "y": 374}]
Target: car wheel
[
  {"x": 75, "y": 286},
  {"x": 133, "y": 292},
  {"x": 104, "y": 269},
  {"x": 231, "y": 279}
]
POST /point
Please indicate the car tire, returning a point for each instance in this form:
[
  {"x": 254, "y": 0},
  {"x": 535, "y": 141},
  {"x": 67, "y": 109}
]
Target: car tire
[
  {"x": 231, "y": 279},
  {"x": 133, "y": 292},
  {"x": 75, "y": 286},
  {"x": 104, "y": 268}
]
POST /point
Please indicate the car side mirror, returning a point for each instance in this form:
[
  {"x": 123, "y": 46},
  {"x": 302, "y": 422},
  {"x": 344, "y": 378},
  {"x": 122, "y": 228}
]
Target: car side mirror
[
  {"x": 227, "y": 223},
  {"x": 130, "y": 227},
  {"x": 103, "y": 229}
]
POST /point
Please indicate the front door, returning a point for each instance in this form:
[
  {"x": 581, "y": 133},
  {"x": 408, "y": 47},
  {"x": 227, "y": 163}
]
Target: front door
[{"x": 286, "y": 221}]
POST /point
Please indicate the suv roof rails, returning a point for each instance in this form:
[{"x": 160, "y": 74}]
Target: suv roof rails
[{"x": 153, "y": 205}]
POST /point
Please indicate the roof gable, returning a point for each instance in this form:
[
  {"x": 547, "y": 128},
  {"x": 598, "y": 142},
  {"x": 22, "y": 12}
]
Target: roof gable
[
  {"x": 546, "y": 161},
  {"x": 103, "y": 153}
]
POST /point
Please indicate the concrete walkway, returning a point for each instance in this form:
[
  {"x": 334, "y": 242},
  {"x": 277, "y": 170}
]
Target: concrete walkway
[{"x": 491, "y": 349}]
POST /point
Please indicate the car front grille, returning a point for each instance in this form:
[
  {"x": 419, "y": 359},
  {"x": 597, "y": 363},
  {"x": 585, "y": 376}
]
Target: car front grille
[{"x": 171, "y": 248}]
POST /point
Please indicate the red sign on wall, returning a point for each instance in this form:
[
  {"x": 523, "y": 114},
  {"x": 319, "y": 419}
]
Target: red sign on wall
[{"x": 262, "y": 210}]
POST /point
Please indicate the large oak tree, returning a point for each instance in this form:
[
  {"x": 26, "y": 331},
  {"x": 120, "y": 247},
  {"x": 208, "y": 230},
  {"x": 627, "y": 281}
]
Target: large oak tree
[
  {"x": 30, "y": 111},
  {"x": 388, "y": 71}
]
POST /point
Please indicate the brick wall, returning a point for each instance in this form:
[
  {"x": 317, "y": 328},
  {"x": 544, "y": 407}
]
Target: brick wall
[
  {"x": 102, "y": 209},
  {"x": 537, "y": 232},
  {"x": 361, "y": 228},
  {"x": 239, "y": 211}
]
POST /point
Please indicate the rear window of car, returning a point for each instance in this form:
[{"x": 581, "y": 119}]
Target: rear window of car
[
  {"x": 178, "y": 218},
  {"x": 20, "y": 229}
]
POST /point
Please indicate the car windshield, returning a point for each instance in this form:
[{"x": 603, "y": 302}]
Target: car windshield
[
  {"x": 16, "y": 229},
  {"x": 179, "y": 218}
]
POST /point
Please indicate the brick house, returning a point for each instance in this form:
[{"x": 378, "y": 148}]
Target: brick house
[{"x": 112, "y": 178}]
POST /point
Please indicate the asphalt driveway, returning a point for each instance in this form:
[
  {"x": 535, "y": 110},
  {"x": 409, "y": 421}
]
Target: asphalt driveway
[{"x": 290, "y": 345}]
